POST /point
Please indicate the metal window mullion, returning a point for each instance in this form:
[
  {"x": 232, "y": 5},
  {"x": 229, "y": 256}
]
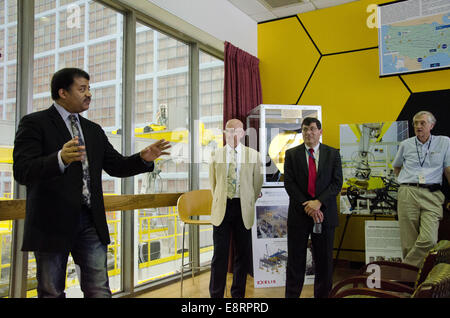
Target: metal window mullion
[
  {"x": 24, "y": 98},
  {"x": 57, "y": 35},
  {"x": 155, "y": 83},
  {"x": 194, "y": 167},
  {"x": 128, "y": 108},
  {"x": 85, "y": 44},
  {"x": 5, "y": 76},
  {"x": 5, "y": 60},
  {"x": 118, "y": 79}
]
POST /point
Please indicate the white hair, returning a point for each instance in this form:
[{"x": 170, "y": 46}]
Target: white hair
[{"x": 431, "y": 118}]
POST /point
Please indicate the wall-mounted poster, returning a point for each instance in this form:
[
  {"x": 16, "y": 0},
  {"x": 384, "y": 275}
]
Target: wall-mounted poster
[
  {"x": 383, "y": 241},
  {"x": 367, "y": 151},
  {"x": 269, "y": 240},
  {"x": 414, "y": 36}
]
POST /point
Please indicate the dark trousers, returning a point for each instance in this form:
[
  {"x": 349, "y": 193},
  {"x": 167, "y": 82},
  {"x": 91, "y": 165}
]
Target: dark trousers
[
  {"x": 88, "y": 252},
  {"x": 232, "y": 223},
  {"x": 322, "y": 252}
]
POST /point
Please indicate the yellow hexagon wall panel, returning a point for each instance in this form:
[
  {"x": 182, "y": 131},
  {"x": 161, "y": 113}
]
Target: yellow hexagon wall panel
[
  {"x": 349, "y": 90},
  {"x": 344, "y": 27},
  {"x": 287, "y": 58},
  {"x": 428, "y": 81}
]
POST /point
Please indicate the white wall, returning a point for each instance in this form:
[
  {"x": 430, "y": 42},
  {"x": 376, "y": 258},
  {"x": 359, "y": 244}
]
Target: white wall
[
  {"x": 210, "y": 21},
  {"x": 219, "y": 18}
]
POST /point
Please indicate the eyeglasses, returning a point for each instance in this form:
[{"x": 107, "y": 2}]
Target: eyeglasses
[
  {"x": 420, "y": 123},
  {"x": 312, "y": 129}
]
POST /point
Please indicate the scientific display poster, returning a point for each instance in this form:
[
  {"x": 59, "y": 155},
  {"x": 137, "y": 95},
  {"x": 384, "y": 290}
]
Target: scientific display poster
[
  {"x": 367, "y": 151},
  {"x": 383, "y": 241},
  {"x": 269, "y": 240}
]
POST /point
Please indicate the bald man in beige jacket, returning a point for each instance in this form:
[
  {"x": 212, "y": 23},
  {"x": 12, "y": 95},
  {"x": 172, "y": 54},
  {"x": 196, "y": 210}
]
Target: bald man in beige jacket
[{"x": 235, "y": 192}]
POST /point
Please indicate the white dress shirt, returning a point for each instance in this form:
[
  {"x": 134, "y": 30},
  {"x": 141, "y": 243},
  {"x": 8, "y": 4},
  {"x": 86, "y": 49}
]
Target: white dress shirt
[{"x": 316, "y": 155}]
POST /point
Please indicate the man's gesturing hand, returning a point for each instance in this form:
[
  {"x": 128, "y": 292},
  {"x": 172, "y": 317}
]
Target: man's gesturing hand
[
  {"x": 71, "y": 152},
  {"x": 155, "y": 150}
]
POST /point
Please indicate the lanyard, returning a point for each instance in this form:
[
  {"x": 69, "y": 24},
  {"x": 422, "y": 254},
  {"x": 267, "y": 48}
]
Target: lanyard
[{"x": 425, "y": 157}]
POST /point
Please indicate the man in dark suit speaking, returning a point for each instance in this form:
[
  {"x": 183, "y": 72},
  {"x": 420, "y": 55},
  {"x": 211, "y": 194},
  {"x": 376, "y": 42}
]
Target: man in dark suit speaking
[
  {"x": 59, "y": 156},
  {"x": 313, "y": 179}
]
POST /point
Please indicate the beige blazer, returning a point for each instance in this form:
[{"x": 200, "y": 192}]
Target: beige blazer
[{"x": 250, "y": 179}]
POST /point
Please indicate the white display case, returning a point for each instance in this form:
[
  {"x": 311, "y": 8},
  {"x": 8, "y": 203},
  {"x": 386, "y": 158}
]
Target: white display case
[{"x": 272, "y": 129}]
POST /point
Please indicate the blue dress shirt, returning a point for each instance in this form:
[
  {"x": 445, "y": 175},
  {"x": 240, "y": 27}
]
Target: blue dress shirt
[{"x": 423, "y": 162}]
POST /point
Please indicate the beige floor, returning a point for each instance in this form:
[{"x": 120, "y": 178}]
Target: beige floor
[{"x": 198, "y": 287}]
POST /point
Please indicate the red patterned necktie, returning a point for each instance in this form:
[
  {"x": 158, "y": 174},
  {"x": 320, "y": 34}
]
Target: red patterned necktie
[{"x": 312, "y": 173}]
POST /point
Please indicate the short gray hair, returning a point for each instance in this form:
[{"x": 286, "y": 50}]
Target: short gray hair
[{"x": 431, "y": 118}]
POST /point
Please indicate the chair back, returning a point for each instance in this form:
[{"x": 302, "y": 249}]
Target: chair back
[
  {"x": 438, "y": 254},
  {"x": 194, "y": 203},
  {"x": 437, "y": 283}
]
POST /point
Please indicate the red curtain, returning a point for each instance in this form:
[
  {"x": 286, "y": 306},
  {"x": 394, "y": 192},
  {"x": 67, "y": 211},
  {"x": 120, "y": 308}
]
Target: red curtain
[
  {"x": 242, "y": 93},
  {"x": 242, "y": 84}
]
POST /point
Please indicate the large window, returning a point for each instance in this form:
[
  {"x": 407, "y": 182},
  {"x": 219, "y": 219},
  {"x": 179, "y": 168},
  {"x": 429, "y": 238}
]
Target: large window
[
  {"x": 211, "y": 117},
  {"x": 162, "y": 111},
  {"x": 8, "y": 47},
  {"x": 87, "y": 35}
]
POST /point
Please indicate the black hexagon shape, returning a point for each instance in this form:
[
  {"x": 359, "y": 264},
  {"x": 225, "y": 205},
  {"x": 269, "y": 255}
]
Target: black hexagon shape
[{"x": 436, "y": 102}]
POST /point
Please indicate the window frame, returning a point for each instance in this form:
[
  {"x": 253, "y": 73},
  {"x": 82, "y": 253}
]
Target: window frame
[{"x": 24, "y": 93}]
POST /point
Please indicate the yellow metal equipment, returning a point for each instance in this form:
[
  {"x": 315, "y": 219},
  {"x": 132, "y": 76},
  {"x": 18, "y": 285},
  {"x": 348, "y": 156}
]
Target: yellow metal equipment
[
  {"x": 6, "y": 154},
  {"x": 157, "y": 132}
]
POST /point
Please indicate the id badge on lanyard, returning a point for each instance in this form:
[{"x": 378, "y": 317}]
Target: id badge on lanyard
[
  {"x": 421, "y": 172},
  {"x": 421, "y": 178}
]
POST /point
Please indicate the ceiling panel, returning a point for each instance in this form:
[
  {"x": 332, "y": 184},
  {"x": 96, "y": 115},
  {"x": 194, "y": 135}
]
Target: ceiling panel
[
  {"x": 264, "y": 10},
  {"x": 280, "y": 3},
  {"x": 249, "y": 7}
]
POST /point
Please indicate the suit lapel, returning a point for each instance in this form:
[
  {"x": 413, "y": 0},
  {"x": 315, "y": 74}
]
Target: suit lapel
[
  {"x": 57, "y": 120},
  {"x": 323, "y": 157},
  {"x": 301, "y": 156},
  {"x": 220, "y": 159},
  {"x": 74, "y": 169},
  {"x": 244, "y": 159},
  {"x": 88, "y": 140},
  {"x": 221, "y": 155}
]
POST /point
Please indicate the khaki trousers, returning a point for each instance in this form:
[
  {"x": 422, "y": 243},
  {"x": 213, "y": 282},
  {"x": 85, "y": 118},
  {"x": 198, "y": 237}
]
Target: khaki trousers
[{"x": 419, "y": 213}]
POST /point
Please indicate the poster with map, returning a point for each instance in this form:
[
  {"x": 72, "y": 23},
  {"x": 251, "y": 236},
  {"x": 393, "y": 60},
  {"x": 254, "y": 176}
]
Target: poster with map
[{"x": 414, "y": 36}]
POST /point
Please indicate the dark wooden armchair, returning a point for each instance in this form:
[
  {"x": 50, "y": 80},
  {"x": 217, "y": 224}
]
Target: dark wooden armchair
[
  {"x": 436, "y": 285},
  {"x": 399, "y": 277}
]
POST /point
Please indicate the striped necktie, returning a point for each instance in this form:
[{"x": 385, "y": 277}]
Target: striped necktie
[
  {"x": 231, "y": 176},
  {"x": 86, "y": 195}
]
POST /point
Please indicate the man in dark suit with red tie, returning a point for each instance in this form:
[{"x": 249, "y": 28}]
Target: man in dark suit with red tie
[
  {"x": 59, "y": 156},
  {"x": 313, "y": 179}
]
